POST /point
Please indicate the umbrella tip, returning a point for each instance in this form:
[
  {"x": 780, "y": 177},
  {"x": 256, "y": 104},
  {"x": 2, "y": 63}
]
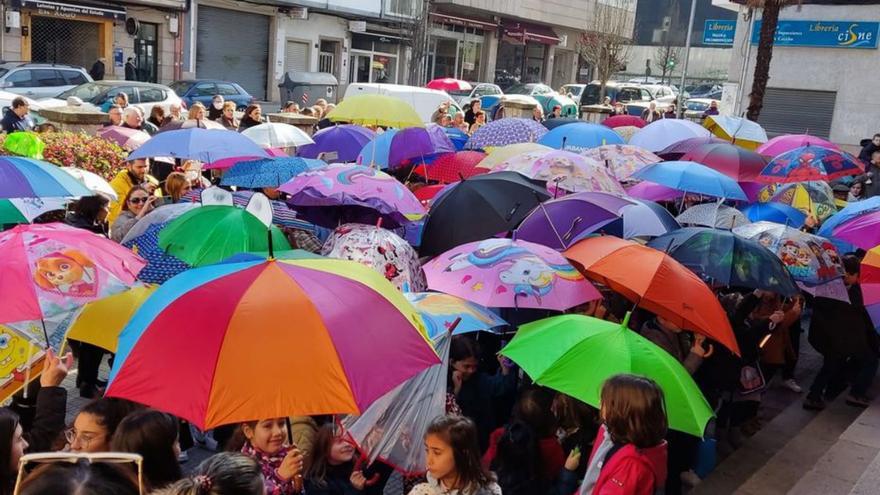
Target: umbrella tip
[{"x": 625, "y": 323}]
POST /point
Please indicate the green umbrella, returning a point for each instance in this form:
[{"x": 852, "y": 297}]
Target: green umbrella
[
  {"x": 211, "y": 234},
  {"x": 575, "y": 354},
  {"x": 9, "y": 214},
  {"x": 26, "y": 144}
]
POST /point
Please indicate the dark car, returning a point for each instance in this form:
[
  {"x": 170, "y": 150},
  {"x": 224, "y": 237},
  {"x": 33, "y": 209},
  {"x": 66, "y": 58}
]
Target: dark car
[{"x": 203, "y": 91}]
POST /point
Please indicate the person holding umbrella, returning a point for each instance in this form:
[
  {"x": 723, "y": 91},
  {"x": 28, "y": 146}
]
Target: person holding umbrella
[
  {"x": 281, "y": 464},
  {"x": 137, "y": 203}
]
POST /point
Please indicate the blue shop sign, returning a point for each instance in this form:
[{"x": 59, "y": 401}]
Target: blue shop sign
[
  {"x": 823, "y": 34},
  {"x": 719, "y": 32}
]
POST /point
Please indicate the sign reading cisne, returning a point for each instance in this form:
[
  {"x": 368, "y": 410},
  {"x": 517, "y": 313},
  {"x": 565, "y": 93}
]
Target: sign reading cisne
[
  {"x": 719, "y": 32},
  {"x": 823, "y": 34}
]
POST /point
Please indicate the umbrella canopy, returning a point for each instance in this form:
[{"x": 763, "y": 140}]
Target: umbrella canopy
[
  {"x": 661, "y": 285},
  {"x": 733, "y": 161},
  {"x": 869, "y": 281},
  {"x": 663, "y": 133},
  {"x": 277, "y": 135},
  {"x": 479, "y": 207},
  {"x": 99, "y": 323},
  {"x": 341, "y": 193},
  {"x": 862, "y": 231},
  {"x": 497, "y": 156},
  {"x": 282, "y": 215},
  {"x": 788, "y": 142},
  {"x": 551, "y": 124},
  {"x": 379, "y": 249},
  {"x": 561, "y": 222},
  {"x": 228, "y": 162},
  {"x": 642, "y": 219},
  {"x": 692, "y": 177},
  {"x": 616, "y": 121},
  {"x": 29, "y": 178},
  {"x": 580, "y": 137},
  {"x": 458, "y": 137},
  {"x": 198, "y": 144},
  {"x": 300, "y": 322},
  {"x": 851, "y": 211},
  {"x": 775, "y": 212},
  {"x": 724, "y": 259},
  {"x": 210, "y": 234},
  {"x": 394, "y": 148},
  {"x": 813, "y": 198},
  {"x": 440, "y": 311},
  {"x": 504, "y": 132},
  {"x": 92, "y": 181},
  {"x": 25, "y": 210},
  {"x": 268, "y": 172},
  {"x": 715, "y": 215},
  {"x": 378, "y": 110},
  {"x": 810, "y": 163},
  {"x": 176, "y": 125},
  {"x": 622, "y": 160},
  {"x": 161, "y": 266},
  {"x": 49, "y": 269},
  {"x": 506, "y": 273},
  {"x": 653, "y": 192},
  {"x": 564, "y": 170},
  {"x": 626, "y": 132},
  {"x": 160, "y": 215},
  {"x": 576, "y": 354},
  {"x": 124, "y": 137},
  {"x": 737, "y": 130},
  {"x": 678, "y": 149},
  {"x": 452, "y": 167},
  {"x": 449, "y": 84},
  {"x": 346, "y": 141},
  {"x": 27, "y": 144}
]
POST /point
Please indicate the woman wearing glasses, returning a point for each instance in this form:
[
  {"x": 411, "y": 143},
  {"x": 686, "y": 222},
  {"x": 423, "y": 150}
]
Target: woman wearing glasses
[{"x": 138, "y": 203}]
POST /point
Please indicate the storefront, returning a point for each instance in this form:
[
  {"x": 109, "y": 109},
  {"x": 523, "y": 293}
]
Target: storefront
[
  {"x": 374, "y": 58},
  {"x": 522, "y": 53},
  {"x": 456, "y": 47}
]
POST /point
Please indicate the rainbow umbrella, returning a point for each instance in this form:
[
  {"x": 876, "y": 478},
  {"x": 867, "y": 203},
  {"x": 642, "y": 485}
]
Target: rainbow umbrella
[
  {"x": 274, "y": 338},
  {"x": 869, "y": 278},
  {"x": 27, "y": 178},
  {"x": 440, "y": 311}
]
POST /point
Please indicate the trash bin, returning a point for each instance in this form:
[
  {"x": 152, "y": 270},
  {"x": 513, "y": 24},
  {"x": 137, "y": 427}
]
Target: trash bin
[{"x": 305, "y": 88}]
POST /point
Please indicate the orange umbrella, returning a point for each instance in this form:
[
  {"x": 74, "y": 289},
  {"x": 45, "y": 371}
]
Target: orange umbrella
[{"x": 656, "y": 282}]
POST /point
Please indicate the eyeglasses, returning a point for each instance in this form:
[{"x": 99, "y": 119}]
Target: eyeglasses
[
  {"x": 84, "y": 440},
  {"x": 74, "y": 458},
  {"x": 137, "y": 201}
]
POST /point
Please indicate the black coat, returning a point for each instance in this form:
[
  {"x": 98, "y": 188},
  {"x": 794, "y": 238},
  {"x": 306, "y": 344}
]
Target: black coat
[
  {"x": 477, "y": 396},
  {"x": 839, "y": 329},
  {"x": 97, "y": 71},
  {"x": 49, "y": 420},
  {"x": 130, "y": 71},
  {"x": 337, "y": 481},
  {"x": 867, "y": 151}
]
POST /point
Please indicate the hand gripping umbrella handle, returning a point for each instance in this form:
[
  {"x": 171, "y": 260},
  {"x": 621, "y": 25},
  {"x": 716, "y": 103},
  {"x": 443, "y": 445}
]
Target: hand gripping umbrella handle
[{"x": 358, "y": 465}]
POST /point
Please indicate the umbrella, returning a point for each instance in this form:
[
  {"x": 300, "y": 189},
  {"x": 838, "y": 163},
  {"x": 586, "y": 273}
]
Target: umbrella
[
  {"x": 862, "y": 231},
  {"x": 92, "y": 181},
  {"x": 775, "y": 212},
  {"x": 678, "y": 149},
  {"x": 198, "y": 144},
  {"x": 653, "y": 192},
  {"x": 576, "y": 354},
  {"x": 452, "y": 167},
  {"x": 345, "y": 141},
  {"x": 228, "y": 162},
  {"x": 852, "y": 210},
  {"x": 642, "y": 219},
  {"x": 341, "y": 193},
  {"x": 506, "y": 273},
  {"x": 810, "y": 163},
  {"x": 124, "y": 137},
  {"x": 623, "y": 160},
  {"x": 788, "y": 142},
  {"x": 869, "y": 281},
  {"x": 379, "y": 249},
  {"x": 176, "y": 125},
  {"x": 504, "y": 132},
  {"x": 301, "y": 322},
  {"x": 99, "y": 323},
  {"x": 564, "y": 170},
  {"x": 724, "y": 259},
  {"x": 626, "y": 132},
  {"x": 53, "y": 268},
  {"x": 449, "y": 84},
  {"x": 561, "y": 222},
  {"x": 277, "y": 135},
  {"x": 29, "y": 178},
  {"x": 378, "y": 110},
  {"x": 27, "y": 144},
  {"x": 210, "y": 234},
  {"x": 735, "y": 162},
  {"x": 580, "y": 137},
  {"x": 21, "y": 356},
  {"x": 440, "y": 311},
  {"x": 813, "y": 198},
  {"x": 661, "y": 285},
  {"x": 25, "y": 210},
  {"x": 692, "y": 177},
  {"x": 268, "y": 172},
  {"x": 663, "y": 133},
  {"x": 161, "y": 266},
  {"x": 479, "y": 207},
  {"x": 810, "y": 259},
  {"x": 457, "y": 137},
  {"x": 715, "y": 215},
  {"x": 551, "y": 124},
  {"x": 497, "y": 156},
  {"x": 282, "y": 215},
  {"x": 737, "y": 130},
  {"x": 394, "y": 148},
  {"x": 160, "y": 215},
  {"x": 616, "y": 121}
]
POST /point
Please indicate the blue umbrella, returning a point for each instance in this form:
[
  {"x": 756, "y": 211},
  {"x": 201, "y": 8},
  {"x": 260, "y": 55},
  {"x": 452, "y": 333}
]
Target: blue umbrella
[
  {"x": 346, "y": 141},
  {"x": 643, "y": 219},
  {"x": 691, "y": 177},
  {"x": 506, "y": 131},
  {"x": 29, "y": 178},
  {"x": 851, "y": 211},
  {"x": 268, "y": 172},
  {"x": 199, "y": 144},
  {"x": 397, "y": 146},
  {"x": 775, "y": 212},
  {"x": 160, "y": 265},
  {"x": 458, "y": 137},
  {"x": 580, "y": 136}
]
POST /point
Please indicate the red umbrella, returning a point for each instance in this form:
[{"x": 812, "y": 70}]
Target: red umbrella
[
  {"x": 449, "y": 84},
  {"x": 426, "y": 194},
  {"x": 677, "y": 150},
  {"x": 451, "y": 167},
  {"x": 732, "y": 161},
  {"x": 624, "y": 120}
]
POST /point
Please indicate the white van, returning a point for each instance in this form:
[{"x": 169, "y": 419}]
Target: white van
[{"x": 424, "y": 100}]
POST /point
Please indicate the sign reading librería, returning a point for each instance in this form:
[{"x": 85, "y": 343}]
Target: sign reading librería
[
  {"x": 719, "y": 32},
  {"x": 823, "y": 34}
]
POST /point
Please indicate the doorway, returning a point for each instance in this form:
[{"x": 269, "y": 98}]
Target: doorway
[{"x": 146, "y": 47}]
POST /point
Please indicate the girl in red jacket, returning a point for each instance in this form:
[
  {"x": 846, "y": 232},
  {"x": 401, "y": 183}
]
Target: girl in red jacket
[{"x": 629, "y": 454}]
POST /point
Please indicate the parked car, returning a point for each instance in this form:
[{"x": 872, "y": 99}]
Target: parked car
[
  {"x": 203, "y": 91},
  {"x": 463, "y": 98},
  {"x": 575, "y": 92},
  {"x": 547, "y": 97},
  {"x": 424, "y": 100},
  {"x": 617, "y": 91},
  {"x": 99, "y": 94},
  {"x": 661, "y": 94},
  {"x": 694, "y": 108},
  {"x": 37, "y": 80},
  {"x": 704, "y": 90},
  {"x": 505, "y": 79}
]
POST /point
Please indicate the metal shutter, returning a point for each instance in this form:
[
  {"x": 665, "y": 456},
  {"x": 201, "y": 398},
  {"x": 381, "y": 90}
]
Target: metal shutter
[
  {"x": 296, "y": 57},
  {"x": 233, "y": 46},
  {"x": 797, "y": 111}
]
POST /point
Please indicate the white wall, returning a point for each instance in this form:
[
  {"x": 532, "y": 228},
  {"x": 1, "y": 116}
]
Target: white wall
[
  {"x": 709, "y": 63},
  {"x": 317, "y": 27}
]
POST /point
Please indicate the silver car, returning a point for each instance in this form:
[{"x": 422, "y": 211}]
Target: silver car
[{"x": 36, "y": 80}]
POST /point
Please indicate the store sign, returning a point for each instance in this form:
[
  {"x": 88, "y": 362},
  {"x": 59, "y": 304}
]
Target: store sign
[
  {"x": 823, "y": 34},
  {"x": 719, "y": 32},
  {"x": 71, "y": 10}
]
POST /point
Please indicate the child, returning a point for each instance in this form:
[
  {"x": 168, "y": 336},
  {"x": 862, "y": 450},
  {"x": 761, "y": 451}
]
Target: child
[
  {"x": 332, "y": 470},
  {"x": 281, "y": 464},
  {"x": 629, "y": 454},
  {"x": 453, "y": 460}
]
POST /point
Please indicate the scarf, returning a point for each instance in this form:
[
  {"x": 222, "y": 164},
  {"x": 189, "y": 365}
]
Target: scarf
[{"x": 269, "y": 464}]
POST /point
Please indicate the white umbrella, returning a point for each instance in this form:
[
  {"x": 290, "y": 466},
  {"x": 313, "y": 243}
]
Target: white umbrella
[
  {"x": 92, "y": 181},
  {"x": 715, "y": 215},
  {"x": 277, "y": 135},
  {"x": 659, "y": 134}
]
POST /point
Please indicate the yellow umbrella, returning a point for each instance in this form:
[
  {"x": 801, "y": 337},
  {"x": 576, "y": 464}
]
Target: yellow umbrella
[
  {"x": 502, "y": 153},
  {"x": 100, "y": 322},
  {"x": 739, "y": 131},
  {"x": 376, "y": 110}
]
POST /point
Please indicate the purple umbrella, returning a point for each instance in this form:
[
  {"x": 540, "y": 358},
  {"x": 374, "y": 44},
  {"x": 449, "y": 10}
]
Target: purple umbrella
[
  {"x": 560, "y": 222},
  {"x": 506, "y": 131},
  {"x": 400, "y": 147},
  {"x": 653, "y": 192},
  {"x": 677, "y": 150},
  {"x": 344, "y": 140}
]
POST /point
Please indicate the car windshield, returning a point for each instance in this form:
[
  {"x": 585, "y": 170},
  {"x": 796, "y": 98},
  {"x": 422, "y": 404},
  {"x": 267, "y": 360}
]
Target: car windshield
[
  {"x": 88, "y": 92},
  {"x": 181, "y": 87},
  {"x": 698, "y": 106},
  {"x": 574, "y": 90},
  {"x": 3, "y": 72},
  {"x": 591, "y": 94},
  {"x": 520, "y": 89},
  {"x": 458, "y": 93}
]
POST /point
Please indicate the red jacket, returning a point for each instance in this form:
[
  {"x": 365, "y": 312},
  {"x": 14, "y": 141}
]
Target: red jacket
[
  {"x": 631, "y": 471},
  {"x": 552, "y": 456}
]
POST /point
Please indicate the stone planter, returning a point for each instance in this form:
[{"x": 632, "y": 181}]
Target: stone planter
[{"x": 74, "y": 119}]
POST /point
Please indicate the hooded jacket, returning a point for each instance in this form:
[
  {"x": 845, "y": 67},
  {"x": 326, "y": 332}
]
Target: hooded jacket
[{"x": 631, "y": 470}]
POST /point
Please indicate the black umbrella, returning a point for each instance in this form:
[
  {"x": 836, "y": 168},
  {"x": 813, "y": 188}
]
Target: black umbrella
[
  {"x": 478, "y": 208},
  {"x": 554, "y": 123}
]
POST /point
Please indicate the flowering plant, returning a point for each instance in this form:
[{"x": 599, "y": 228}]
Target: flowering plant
[{"x": 78, "y": 149}]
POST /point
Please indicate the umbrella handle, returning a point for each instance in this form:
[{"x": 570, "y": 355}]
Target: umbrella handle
[{"x": 358, "y": 466}]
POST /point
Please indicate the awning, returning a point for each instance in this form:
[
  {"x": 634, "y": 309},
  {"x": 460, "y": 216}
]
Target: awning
[
  {"x": 73, "y": 8},
  {"x": 462, "y": 21},
  {"x": 531, "y": 32}
]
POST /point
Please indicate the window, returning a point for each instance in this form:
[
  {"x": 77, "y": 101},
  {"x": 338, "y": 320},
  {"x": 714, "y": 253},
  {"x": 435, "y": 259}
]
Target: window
[
  {"x": 46, "y": 78},
  {"x": 204, "y": 89},
  {"x": 74, "y": 77},
  {"x": 628, "y": 94},
  {"x": 227, "y": 90},
  {"x": 128, "y": 90},
  {"x": 150, "y": 95},
  {"x": 20, "y": 79},
  {"x": 484, "y": 90},
  {"x": 646, "y": 95}
]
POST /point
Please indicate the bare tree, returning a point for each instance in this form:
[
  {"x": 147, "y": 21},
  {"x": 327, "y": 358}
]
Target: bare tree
[
  {"x": 665, "y": 58},
  {"x": 605, "y": 44},
  {"x": 414, "y": 23},
  {"x": 769, "y": 21}
]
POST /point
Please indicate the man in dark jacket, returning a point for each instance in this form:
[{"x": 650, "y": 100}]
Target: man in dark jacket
[
  {"x": 17, "y": 118},
  {"x": 130, "y": 70},
  {"x": 871, "y": 178},
  {"x": 869, "y": 149},
  {"x": 97, "y": 70}
]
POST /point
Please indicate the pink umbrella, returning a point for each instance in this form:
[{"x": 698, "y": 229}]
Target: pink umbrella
[
  {"x": 653, "y": 192},
  {"x": 449, "y": 84},
  {"x": 130, "y": 139},
  {"x": 505, "y": 273},
  {"x": 783, "y": 144},
  {"x": 616, "y": 121},
  {"x": 229, "y": 162},
  {"x": 564, "y": 170}
]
